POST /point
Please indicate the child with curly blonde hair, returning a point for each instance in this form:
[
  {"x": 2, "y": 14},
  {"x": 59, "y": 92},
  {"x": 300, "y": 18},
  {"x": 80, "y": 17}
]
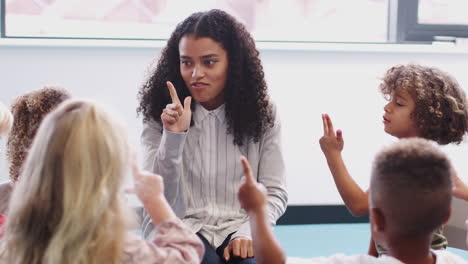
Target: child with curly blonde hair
[{"x": 423, "y": 102}]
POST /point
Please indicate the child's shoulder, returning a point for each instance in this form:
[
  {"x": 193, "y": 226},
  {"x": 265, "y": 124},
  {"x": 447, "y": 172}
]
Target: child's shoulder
[
  {"x": 342, "y": 259},
  {"x": 447, "y": 257}
]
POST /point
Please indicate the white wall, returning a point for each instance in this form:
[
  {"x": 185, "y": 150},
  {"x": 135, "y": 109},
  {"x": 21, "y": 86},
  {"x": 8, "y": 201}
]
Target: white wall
[{"x": 304, "y": 83}]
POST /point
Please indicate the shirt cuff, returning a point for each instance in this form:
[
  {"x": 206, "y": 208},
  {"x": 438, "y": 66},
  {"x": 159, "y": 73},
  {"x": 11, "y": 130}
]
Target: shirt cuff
[
  {"x": 173, "y": 144},
  {"x": 244, "y": 231}
]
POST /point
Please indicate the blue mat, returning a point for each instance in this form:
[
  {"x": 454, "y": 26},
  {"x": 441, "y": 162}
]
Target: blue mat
[{"x": 307, "y": 241}]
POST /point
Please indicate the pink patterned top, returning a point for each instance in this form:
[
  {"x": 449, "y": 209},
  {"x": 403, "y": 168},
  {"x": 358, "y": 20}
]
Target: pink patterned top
[{"x": 174, "y": 243}]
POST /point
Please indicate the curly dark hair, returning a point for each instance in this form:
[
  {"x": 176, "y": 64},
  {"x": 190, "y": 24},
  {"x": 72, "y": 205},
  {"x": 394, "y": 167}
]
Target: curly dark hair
[
  {"x": 411, "y": 182},
  {"x": 248, "y": 110},
  {"x": 28, "y": 112},
  {"x": 440, "y": 104}
]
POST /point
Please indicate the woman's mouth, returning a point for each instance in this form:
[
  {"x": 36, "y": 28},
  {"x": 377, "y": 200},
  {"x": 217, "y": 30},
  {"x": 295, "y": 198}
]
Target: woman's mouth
[{"x": 198, "y": 85}]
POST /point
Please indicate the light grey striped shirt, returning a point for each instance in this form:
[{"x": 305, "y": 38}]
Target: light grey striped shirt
[{"x": 202, "y": 173}]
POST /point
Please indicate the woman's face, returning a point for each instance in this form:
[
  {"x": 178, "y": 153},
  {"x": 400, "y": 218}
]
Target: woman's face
[{"x": 204, "y": 68}]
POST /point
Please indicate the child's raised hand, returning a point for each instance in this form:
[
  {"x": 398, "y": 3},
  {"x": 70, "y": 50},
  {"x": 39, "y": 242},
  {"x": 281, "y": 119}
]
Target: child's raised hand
[
  {"x": 331, "y": 142},
  {"x": 460, "y": 189},
  {"x": 252, "y": 195},
  {"x": 174, "y": 117},
  {"x": 147, "y": 185}
]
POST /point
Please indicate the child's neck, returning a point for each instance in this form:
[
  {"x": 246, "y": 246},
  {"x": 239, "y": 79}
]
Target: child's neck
[{"x": 412, "y": 251}]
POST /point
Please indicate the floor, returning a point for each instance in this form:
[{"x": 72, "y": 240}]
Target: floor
[{"x": 308, "y": 241}]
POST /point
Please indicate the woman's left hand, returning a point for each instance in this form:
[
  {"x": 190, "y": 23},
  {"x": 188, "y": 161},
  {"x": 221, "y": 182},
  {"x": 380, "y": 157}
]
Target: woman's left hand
[{"x": 239, "y": 247}]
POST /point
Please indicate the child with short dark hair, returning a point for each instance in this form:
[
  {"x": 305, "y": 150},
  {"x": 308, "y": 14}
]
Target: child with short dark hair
[
  {"x": 410, "y": 196},
  {"x": 423, "y": 102}
]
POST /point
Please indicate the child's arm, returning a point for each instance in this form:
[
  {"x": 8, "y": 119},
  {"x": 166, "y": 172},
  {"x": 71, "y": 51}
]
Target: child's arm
[
  {"x": 460, "y": 189},
  {"x": 332, "y": 144},
  {"x": 175, "y": 242},
  {"x": 252, "y": 197}
]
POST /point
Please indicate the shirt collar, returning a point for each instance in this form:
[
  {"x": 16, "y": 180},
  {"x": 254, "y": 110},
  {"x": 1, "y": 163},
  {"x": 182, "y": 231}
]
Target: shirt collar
[{"x": 201, "y": 113}]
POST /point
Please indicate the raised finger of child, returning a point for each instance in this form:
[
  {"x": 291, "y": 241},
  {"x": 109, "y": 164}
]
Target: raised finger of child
[{"x": 247, "y": 171}]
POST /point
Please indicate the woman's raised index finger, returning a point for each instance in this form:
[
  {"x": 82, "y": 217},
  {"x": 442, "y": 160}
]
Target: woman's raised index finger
[{"x": 173, "y": 92}]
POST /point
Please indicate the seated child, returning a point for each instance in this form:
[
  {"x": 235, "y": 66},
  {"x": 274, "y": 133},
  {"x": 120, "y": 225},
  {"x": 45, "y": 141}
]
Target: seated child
[
  {"x": 6, "y": 120},
  {"x": 423, "y": 102},
  {"x": 68, "y": 204},
  {"x": 28, "y": 110},
  {"x": 409, "y": 199}
]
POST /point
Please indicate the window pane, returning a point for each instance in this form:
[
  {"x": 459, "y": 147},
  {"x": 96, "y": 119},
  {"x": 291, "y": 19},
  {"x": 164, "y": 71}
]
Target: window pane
[
  {"x": 443, "y": 12},
  {"x": 267, "y": 20}
]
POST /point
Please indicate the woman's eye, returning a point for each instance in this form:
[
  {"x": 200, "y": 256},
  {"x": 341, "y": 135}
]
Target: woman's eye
[
  {"x": 210, "y": 62},
  {"x": 186, "y": 63}
]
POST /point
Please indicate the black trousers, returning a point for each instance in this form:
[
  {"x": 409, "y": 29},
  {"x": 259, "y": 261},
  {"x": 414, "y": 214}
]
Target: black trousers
[{"x": 216, "y": 256}]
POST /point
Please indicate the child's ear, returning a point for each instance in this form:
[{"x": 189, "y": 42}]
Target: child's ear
[
  {"x": 447, "y": 218},
  {"x": 377, "y": 219}
]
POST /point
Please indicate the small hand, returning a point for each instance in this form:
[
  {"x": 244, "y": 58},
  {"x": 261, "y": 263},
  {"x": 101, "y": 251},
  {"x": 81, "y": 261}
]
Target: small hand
[
  {"x": 252, "y": 195},
  {"x": 174, "y": 117},
  {"x": 239, "y": 247},
  {"x": 146, "y": 185},
  {"x": 460, "y": 189},
  {"x": 331, "y": 142}
]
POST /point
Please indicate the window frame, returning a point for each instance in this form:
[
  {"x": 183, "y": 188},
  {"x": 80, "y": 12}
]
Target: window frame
[
  {"x": 403, "y": 26},
  {"x": 3, "y": 35},
  {"x": 2, "y": 18}
]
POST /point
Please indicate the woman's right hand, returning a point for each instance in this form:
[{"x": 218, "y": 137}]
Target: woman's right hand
[
  {"x": 174, "y": 117},
  {"x": 331, "y": 142}
]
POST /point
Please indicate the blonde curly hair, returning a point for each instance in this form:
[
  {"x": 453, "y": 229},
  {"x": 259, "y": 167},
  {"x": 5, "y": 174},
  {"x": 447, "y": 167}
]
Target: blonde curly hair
[
  {"x": 440, "y": 103},
  {"x": 28, "y": 111}
]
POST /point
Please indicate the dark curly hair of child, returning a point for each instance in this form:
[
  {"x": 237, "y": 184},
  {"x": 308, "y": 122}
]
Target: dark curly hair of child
[
  {"x": 28, "y": 112},
  {"x": 248, "y": 110},
  {"x": 440, "y": 103}
]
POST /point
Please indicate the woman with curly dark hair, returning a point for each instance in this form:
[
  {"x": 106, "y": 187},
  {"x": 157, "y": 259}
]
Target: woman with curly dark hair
[
  {"x": 423, "y": 102},
  {"x": 28, "y": 111},
  {"x": 211, "y": 58}
]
